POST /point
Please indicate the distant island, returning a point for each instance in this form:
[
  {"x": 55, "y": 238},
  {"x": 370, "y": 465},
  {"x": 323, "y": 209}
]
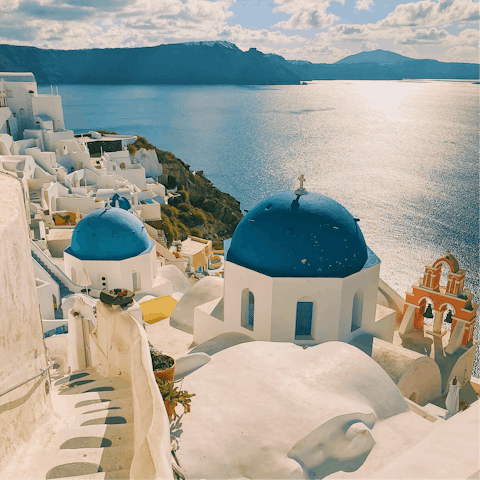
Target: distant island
[{"x": 214, "y": 63}]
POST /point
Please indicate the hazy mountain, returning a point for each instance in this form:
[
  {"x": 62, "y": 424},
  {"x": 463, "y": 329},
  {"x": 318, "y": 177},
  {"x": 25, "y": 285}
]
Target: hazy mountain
[
  {"x": 184, "y": 63},
  {"x": 381, "y": 57},
  {"x": 384, "y": 65},
  {"x": 213, "y": 63}
]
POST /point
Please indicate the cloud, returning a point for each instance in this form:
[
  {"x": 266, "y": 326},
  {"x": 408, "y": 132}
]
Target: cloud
[
  {"x": 313, "y": 53},
  {"x": 364, "y": 4},
  {"x": 428, "y": 13},
  {"x": 305, "y": 14},
  {"x": 248, "y": 37},
  {"x": 462, "y": 54},
  {"x": 368, "y": 46},
  {"x": 423, "y": 36}
]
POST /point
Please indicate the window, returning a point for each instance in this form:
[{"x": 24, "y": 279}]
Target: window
[
  {"x": 248, "y": 309},
  {"x": 303, "y": 320},
  {"x": 136, "y": 280},
  {"x": 74, "y": 275},
  {"x": 357, "y": 310},
  {"x": 122, "y": 166},
  {"x": 65, "y": 150}
]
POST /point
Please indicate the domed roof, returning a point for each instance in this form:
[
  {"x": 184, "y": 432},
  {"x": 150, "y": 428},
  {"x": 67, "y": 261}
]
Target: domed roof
[
  {"x": 109, "y": 234},
  {"x": 299, "y": 236}
]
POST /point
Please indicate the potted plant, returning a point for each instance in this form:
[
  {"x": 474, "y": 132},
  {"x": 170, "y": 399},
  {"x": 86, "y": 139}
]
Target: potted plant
[
  {"x": 173, "y": 396},
  {"x": 163, "y": 365}
]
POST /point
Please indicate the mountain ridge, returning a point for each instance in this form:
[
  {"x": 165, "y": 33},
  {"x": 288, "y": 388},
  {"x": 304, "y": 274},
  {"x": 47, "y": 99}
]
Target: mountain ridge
[{"x": 214, "y": 63}]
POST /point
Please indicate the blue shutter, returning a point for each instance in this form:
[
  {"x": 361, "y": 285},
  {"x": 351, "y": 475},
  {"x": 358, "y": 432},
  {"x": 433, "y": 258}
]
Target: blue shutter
[
  {"x": 303, "y": 325},
  {"x": 251, "y": 304}
]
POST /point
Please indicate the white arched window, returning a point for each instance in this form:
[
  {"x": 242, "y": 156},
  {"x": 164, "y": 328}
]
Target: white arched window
[
  {"x": 74, "y": 275},
  {"x": 304, "y": 319},
  {"x": 136, "y": 280},
  {"x": 357, "y": 310},
  {"x": 248, "y": 309}
]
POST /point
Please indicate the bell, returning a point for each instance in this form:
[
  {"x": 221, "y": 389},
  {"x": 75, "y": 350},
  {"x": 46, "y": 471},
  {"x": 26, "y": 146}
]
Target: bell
[
  {"x": 448, "y": 317},
  {"x": 428, "y": 311}
]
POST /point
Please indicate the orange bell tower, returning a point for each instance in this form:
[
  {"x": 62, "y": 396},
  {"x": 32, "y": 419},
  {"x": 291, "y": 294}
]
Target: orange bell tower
[{"x": 428, "y": 296}]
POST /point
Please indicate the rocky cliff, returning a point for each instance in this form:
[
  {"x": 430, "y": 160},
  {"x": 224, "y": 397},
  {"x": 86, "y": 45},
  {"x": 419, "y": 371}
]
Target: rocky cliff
[{"x": 201, "y": 209}]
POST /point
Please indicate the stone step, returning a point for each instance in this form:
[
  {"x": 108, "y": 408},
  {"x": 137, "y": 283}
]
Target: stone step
[
  {"x": 115, "y": 415},
  {"x": 91, "y": 436},
  {"x": 118, "y": 475},
  {"x": 91, "y": 476},
  {"x": 66, "y": 463},
  {"x": 112, "y": 405},
  {"x": 103, "y": 392}
]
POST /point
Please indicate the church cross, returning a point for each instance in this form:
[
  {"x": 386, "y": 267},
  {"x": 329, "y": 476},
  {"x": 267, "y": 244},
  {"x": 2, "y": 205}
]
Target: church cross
[{"x": 302, "y": 179}]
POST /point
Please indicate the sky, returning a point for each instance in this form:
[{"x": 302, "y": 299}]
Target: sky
[{"x": 321, "y": 31}]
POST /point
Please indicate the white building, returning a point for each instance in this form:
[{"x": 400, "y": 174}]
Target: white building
[
  {"x": 112, "y": 247},
  {"x": 298, "y": 270},
  {"x": 29, "y": 109}
]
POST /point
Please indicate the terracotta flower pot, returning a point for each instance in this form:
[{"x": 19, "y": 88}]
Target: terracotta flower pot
[{"x": 166, "y": 374}]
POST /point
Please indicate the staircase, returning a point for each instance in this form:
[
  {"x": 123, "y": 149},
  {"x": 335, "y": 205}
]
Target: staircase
[
  {"x": 36, "y": 196},
  {"x": 90, "y": 436},
  {"x": 47, "y": 263},
  {"x": 162, "y": 240},
  {"x": 64, "y": 290}
]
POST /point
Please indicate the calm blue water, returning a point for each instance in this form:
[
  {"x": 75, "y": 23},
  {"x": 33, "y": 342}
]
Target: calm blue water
[{"x": 402, "y": 156}]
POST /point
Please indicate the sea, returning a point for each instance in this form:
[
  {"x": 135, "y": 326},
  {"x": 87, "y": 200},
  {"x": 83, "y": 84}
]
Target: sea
[{"x": 400, "y": 155}]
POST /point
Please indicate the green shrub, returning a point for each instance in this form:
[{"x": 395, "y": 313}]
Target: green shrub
[
  {"x": 183, "y": 194},
  {"x": 196, "y": 232},
  {"x": 184, "y": 207},
  {"x": 171, "y": 182},
  {"x": 169, "y": 210},
  {"x": 209, "y": 205}
]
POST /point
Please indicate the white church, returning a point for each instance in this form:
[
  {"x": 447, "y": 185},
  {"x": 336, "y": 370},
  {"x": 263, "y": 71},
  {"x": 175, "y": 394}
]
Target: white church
[
  {"x": 298, "y": 270},
  {"x": 111, "y": 249}
]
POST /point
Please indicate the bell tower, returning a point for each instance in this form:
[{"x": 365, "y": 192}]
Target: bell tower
[{"x": 450, "y": 303}]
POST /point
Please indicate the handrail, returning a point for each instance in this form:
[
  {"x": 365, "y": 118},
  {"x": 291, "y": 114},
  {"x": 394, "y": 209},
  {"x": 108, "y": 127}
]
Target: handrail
[
  {"x": 26, "y": 381},
  {"x": 55, "y": 270}
]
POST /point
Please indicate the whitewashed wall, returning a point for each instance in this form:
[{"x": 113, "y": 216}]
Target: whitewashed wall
[{"x": 22, "y": 352}]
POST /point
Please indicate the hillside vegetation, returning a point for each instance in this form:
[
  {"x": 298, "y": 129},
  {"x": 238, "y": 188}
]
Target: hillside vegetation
[{"x": 201, "y": 209}]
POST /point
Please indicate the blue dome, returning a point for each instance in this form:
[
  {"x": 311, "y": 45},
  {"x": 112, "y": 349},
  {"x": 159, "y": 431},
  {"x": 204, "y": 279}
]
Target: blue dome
[
  {"x": 299, "y": 236},
  {"x": 122, "y": 202},
  {"x": 109, "y": 234}
]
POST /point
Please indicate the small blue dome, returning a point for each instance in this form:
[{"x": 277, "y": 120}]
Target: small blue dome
[
  {"x": 299, "y": 236},
  {"x": 118, "y": 201},
  {"x": 109, "y": 234}
]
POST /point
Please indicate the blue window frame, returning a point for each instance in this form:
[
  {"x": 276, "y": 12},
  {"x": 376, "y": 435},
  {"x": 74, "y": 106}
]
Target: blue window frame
[
  {"x": 251, "y": 308},
  {"x": 303, "y": 322}
]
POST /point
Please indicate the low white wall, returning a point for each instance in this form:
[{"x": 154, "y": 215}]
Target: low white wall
[
  {"x": 122, "y": 348},
  {"x": 84, "y": 205},
  {"x": 45, "y": 300},
  {"x": 42, "y": 274},
  {"x": 206, "y": 326},
  {"x": 463, "y": 368}
]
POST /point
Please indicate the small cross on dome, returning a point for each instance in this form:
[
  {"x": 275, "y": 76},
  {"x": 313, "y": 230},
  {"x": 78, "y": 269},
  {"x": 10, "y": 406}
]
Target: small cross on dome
[
  {"x": 302, "y": 179},
  {"x": 301, "y": 190}
]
